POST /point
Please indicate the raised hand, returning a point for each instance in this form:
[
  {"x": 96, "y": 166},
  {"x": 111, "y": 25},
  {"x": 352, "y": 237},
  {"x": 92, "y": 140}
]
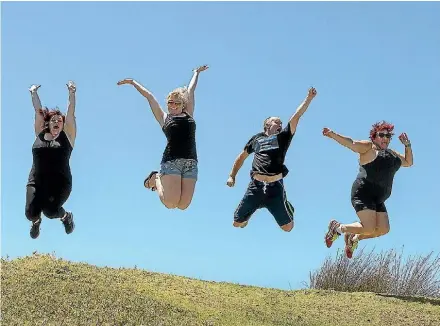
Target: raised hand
[
  {"x": 312, "y": 92},
  {"x": 327, "y": 132},
  {"x": 201, "y": 68},
  {"x": 34, "y": 88},
  {"x": 71, "y": 86},
  {"x": 230, "y": 182},
  {"x": 126, "y": 81},
  {"x": 404, "y": 139}
]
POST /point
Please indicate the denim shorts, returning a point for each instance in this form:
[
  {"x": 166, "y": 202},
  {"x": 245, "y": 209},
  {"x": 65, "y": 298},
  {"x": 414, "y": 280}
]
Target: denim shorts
[{"x": 186, "y": 168}]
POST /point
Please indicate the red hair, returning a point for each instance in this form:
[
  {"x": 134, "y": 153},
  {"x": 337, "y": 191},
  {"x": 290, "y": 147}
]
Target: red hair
[
  {"x": 48, "y": 114},
  {"x": 380, "y": 126}
]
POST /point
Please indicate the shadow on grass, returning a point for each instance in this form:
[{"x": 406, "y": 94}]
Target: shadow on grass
[{"x": 433, "y": 301}]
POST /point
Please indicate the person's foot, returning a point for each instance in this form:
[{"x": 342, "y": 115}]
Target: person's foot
[
  {"x": 332, "y": 234},
  {"x": 150, "y": 181},
  {"x": 67, "y": 220},
  {"x": 351, "y": 244},
  {"x": 35, "y": 229}
]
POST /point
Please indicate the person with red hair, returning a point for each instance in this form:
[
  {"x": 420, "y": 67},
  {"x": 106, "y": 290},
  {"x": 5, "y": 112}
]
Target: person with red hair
[
  {"x": 373, "y": 185},
  {"x": 177, "y": 178},
  {"x": 50, "y": 180}
]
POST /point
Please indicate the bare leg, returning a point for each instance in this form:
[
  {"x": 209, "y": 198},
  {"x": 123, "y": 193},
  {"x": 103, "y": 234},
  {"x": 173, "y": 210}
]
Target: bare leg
[
  {"x": 382, "y": 227},
  {"x": 169, "y": 189},
  {"x": 366, "y": 226},
  {"x": 188, "y": 187}
]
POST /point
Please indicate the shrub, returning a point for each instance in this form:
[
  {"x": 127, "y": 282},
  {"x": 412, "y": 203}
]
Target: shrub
[{"x": 385, "y": 272}]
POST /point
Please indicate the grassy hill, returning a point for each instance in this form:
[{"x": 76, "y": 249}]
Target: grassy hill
[{"x": 44, "y": 290}]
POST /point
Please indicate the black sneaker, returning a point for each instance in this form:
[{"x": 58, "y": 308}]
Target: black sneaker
[
  {"x": 35, "y": 229},
  {"x": 69, "y": 225}
]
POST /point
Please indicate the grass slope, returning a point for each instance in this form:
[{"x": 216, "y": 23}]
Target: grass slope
[{"x": 44, "y": 290}]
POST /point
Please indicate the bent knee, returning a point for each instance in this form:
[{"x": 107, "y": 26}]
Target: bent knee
[
  {"x": 287, "y": 227},
  {"x": 240, "y": 224},
  {"x": 382, "y": 231},
  {"x": 183, "y": 204},
  {"x": 170, "y": 204},
  {"x": 369, "y": 229}
]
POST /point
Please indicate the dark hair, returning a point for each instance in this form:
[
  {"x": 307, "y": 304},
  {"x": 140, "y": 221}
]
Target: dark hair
[
  {"x": 380, "y": 126},
  {"x": 48, "y": 114}
]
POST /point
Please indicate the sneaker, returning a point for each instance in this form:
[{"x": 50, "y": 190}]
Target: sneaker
[
  {"x": 350, "y": 244},
  {"x": 69, "y": 225},
  {"x": 332, "y": 234},
  {"x": 35, "y": 229}
]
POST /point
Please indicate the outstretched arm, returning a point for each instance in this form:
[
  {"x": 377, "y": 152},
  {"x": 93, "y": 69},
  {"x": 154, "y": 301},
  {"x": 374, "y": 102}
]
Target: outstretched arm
[
  {"x": 39, "y": 114},
  {"x": 192, "y": 88},
  {"x": 70, "y": 126},
  {"x": 302, "y": 108},
  {"x": 238, "y": 163},
  {"x": 159, "y": 114},
  {"x": 407, "y": 159},
  {"x": 357, "y": 146}
]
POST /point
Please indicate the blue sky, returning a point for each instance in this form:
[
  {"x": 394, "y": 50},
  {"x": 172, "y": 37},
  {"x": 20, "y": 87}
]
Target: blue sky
[{"x": 368, "y": 62}]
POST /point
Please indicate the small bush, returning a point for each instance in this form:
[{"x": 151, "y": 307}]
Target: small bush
[{"x": 386, "y": 273}]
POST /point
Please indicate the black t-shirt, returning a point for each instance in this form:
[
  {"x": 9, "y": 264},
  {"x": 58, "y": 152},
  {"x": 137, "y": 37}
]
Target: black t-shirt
[
  {"x": 270, "y": 152},
  {"x": 181, "y": 136},
  {"x": 51, "y": 159}
]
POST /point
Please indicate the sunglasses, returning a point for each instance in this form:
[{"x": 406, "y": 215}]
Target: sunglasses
[
  {"x": 172, "y": 102},
  {"x": 382, "y": 135}
]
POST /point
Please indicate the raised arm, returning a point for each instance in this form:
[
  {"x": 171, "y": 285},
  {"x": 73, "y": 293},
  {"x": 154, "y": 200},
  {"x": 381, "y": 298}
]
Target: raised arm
[
  {"x": 407, "y": 159},
  {"x": 357, "y": 146},
  {"x": 192, "y": 88},
  {"x": 39, "y": 114},
  {"x": 159, "y": 114},
  {"x": 70, "y": 127},
  {"x": 302, "y": 108},
  {"x": 238, "y": 163}
]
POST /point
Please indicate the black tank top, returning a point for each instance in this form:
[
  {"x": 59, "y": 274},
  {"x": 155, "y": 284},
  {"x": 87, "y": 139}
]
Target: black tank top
[
  {"x": 181, "y": 137},
  {"x": 51, "y": 159},
  {"x": 381, "y": 171}
]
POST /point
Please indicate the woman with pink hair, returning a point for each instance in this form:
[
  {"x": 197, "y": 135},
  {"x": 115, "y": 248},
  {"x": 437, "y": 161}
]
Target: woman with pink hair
[
  {"x": 373, "y": 185},
  {"x": 50, "y": 179}
]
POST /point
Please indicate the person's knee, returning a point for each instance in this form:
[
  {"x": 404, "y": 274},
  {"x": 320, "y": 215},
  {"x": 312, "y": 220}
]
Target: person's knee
[
  {"x": 170, "y": 201},
  {"x": 240, "y": 224},
  {"x": 382, "y": 230},
  {"x": 369, "y": 229},
  {"x": 287, "y": 227},
  {"x": 31, "y": 214},
  {"x": 170, "y": 204},
  {"x": 182, "y": 206}
]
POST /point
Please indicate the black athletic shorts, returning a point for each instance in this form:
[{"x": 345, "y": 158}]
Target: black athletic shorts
[
  {"x": 271, "y": 196},
  {"x": 365, "y": 195}
]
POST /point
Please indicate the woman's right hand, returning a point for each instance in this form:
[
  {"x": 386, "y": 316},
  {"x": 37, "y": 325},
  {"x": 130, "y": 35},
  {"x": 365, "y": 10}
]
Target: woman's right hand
[
  {"x": 126, "y": 81},
  {"x": 34, "y": 88},
  {"x": 327, "y": 132}
]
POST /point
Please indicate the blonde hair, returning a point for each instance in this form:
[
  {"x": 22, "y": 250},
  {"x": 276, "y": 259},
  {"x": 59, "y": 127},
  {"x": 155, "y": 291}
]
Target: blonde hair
[{"x": 182, "y": 94}]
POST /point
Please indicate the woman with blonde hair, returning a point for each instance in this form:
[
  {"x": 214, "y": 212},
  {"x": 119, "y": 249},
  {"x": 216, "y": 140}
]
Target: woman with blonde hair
[{"x": 177, "y": 178}]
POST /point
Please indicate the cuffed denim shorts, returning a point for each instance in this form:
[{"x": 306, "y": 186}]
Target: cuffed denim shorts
[{"x": 186, "y": 168}]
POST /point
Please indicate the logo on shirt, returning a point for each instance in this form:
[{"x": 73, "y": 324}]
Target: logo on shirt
[{"x": 266, "y": 144}]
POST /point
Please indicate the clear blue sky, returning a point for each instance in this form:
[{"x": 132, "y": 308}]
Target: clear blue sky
[{"x": 368, "y": 61}]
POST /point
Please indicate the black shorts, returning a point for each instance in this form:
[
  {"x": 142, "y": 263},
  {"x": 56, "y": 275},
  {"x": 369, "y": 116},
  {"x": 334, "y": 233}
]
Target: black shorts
[
  {"x": 366, "y": 196},
  {"x": 265, "y": 195}
]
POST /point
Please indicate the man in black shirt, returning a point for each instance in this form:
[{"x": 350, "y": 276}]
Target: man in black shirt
[{"x": 266, "y": 188}]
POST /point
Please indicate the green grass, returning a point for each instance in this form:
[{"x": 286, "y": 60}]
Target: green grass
[{"x": 44, "y": 290}]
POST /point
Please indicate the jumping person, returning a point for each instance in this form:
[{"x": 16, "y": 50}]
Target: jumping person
[
  {"x": 373, "y": 185},
  {"x": 50, "y": 179},
  {"x": 266, "y": 188},
  {"x": 176, "y": 181}
]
